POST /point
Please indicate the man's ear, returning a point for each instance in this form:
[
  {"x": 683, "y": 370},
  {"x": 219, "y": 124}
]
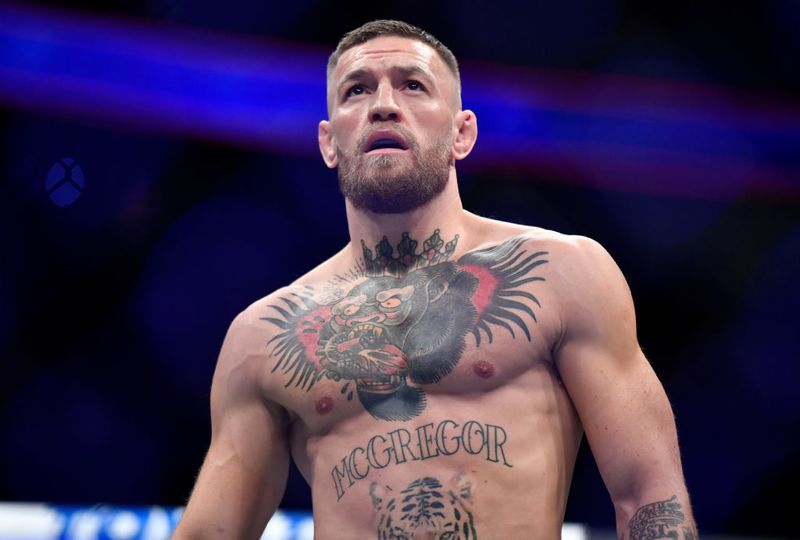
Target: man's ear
[
  {"x": 327, "y": 146},
  {"x": 466, "y": 134}
]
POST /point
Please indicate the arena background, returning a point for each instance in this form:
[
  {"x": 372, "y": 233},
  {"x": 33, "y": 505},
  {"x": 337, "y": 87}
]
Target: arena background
[{"x": 160, "y": 173}]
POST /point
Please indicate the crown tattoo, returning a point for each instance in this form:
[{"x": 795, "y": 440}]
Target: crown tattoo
[{"x": 385, "y": 262}]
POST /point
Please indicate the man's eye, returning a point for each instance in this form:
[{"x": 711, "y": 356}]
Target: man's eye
[
  {"x": 356, "y": 90},
  {"x": 414, "y": 85}
]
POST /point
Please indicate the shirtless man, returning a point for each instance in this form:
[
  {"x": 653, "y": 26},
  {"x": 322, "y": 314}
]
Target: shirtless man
[{"x": 434, "y": 378}]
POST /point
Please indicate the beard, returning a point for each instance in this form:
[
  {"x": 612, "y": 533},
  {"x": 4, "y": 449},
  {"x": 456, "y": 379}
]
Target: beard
[{"x": 388, "y": 183}]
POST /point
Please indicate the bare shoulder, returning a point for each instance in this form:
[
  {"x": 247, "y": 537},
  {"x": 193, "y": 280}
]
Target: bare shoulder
[
  {"x": 249, "y": 323},
  {"x": 265, "y": 320},
  {"x": 240, "y": 375},
  {"x": 250, "y": 331},
  {"x": 568, "y": 248},
  {"x": 580, "y": 271},
  {"x": 245, "y": 342},
  {"x": 579, "y": 253},
  {"x": 595, "y": 302}
]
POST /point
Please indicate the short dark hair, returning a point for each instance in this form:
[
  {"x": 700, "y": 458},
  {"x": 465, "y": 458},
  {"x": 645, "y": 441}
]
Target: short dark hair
[{"x": 388, "y": 27}]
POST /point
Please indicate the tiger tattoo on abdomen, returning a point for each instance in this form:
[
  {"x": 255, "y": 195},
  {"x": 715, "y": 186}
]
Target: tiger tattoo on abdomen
[{"x": 421, "y": 509}]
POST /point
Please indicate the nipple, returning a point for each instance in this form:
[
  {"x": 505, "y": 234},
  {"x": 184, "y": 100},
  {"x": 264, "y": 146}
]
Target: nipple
[
  {"x": 324, "y": 405},
  {"x": 483, "y": 369}
]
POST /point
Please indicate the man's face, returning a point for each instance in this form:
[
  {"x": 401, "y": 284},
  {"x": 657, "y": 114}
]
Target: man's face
[{"x": 392, "y": 104}]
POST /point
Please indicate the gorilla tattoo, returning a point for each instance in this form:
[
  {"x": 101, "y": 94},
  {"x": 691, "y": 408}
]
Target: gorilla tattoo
[{"x": 405, "y": 325}]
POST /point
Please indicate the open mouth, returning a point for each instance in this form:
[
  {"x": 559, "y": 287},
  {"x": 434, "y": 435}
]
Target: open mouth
[
  {"x": 386, "y": 143},
  {"x": 383, "y": 144}
]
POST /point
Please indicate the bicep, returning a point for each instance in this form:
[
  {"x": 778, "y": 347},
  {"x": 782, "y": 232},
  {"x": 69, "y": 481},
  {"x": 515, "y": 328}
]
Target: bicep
[
  {"x": 244, "y": 473},
  {"x": 626, "y": 416},
  {"x": 620, "y": 401}
]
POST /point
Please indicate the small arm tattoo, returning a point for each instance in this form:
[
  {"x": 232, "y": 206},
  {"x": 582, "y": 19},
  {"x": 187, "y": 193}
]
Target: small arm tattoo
[{"x": 661, "y": 519}]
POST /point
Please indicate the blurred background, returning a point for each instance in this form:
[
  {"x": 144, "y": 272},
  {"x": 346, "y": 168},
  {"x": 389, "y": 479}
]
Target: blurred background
[{"x": 160, "y": 172}]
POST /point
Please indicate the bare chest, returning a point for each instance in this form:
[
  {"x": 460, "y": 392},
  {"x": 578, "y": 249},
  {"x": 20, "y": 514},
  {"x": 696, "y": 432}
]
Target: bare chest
[
  {"x": 478, "y": 373},
  {"x": 386, "y": 345}
]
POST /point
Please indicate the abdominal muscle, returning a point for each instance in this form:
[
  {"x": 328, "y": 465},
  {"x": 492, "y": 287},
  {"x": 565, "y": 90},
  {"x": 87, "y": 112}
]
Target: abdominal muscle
[{"x": 492, "y": 465}]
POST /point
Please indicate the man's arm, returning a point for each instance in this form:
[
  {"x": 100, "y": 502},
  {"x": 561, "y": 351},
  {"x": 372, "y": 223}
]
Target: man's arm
[
  {"x": 623, "y": 407},
  {"x": 243, "y": 476}
]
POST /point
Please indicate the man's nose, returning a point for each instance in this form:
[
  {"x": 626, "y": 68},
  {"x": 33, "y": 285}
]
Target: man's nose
[{"x": 384, "y": 107}]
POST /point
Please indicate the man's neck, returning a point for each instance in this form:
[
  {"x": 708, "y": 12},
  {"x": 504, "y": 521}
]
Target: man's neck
[{"x": 397, "y": 243}]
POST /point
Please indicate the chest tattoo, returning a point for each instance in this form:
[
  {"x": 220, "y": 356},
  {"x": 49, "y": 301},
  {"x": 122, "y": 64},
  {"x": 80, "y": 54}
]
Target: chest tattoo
[{"x": 405, "y": 323}]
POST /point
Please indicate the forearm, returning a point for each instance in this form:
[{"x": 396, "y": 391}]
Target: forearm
[
  {"x": 641, "y": 463},
  {"x": 234, "y": 498}
]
